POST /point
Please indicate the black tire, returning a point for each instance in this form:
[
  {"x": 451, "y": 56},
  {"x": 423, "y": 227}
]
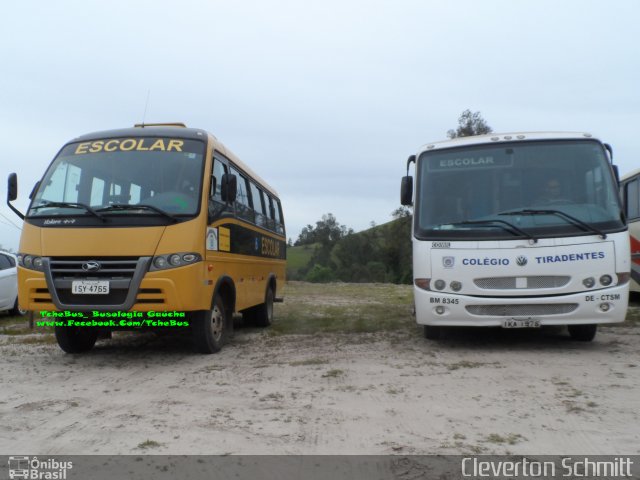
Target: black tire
[
  {"x": 211, "y": 328},
  {"x": 262, "y": 315},
  {"x": 76, "y": 339},
  {"x": 16, "y": 311},
  {"x": 432, "y": 333},
  {"x": 583, "y": 333}
]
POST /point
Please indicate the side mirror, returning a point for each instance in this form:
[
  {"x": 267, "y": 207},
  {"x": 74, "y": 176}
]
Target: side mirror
[
  {"x": 229, "y": 187},
  {"x": 12, "y": 193},
  {"x": 610, "y": 150},
  {"x": 406, "y": 191},
  {"x": 12, "y": 187}
]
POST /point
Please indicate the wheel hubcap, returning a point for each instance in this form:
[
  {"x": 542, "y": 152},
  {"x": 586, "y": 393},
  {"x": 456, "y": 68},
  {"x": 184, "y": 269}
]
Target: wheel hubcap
[{"x": 217, "y": 323}]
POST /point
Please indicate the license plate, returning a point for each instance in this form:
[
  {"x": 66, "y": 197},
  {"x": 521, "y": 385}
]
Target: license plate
[
  {"x": 527, "y": 323},
  {"x": 90, "y": 287}
]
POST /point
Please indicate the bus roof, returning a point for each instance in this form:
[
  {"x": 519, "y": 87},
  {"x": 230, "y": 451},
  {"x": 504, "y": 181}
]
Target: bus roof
[
  {"x": 630, "y": 174},
  {"x": 505, "y": 137},
  {"x": 179, "y": 131}
]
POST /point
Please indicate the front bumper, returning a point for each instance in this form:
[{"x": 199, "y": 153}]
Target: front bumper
[{"x": 435, "y": 308}]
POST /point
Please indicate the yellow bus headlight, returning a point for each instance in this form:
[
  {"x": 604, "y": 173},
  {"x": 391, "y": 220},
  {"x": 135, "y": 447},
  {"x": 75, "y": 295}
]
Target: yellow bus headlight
[
  {"x": 32, "y": 262},
  {"x": 173, "y": 260}
]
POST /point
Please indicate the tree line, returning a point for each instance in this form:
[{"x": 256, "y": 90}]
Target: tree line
[{"x": 379, "y": 254}]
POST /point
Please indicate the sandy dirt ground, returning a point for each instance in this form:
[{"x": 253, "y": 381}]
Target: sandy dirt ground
[{"x": 487, "y": 391}]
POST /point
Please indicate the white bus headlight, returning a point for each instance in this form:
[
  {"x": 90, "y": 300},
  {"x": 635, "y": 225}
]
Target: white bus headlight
[
  {"x": 439, "y": 284},
  {"x": 606, "y": 280},
  {"x": 455, "y": 286},
  {"x": 160, "y": 263},
  {"x": 589, "y": 282}
]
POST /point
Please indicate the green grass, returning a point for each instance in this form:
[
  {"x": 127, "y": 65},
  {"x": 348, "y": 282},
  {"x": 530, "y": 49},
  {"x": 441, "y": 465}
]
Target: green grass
[
  {"x": 149, "y": 444},
  {"x": 343, "y": 307},
  {"x": 510, "y": 439}
]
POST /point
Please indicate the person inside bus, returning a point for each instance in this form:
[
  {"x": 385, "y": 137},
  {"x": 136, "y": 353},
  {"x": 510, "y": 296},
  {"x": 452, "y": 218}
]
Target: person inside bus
[{"x": 552, "y": 193}]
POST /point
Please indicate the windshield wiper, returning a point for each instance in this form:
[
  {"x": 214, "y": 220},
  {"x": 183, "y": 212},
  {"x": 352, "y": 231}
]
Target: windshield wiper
[
  {"x": 569, "y": 218},
  {"x": 46, "y": 204},
  {"x": 125, "y": 206},
  {"x": 509, "y": 227}
]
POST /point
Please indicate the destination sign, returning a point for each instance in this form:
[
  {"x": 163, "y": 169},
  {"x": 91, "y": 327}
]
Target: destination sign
[{"x": 469, "y": 160}]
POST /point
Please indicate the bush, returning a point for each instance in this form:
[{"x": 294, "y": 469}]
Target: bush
[{"x": 320, "y": 274}]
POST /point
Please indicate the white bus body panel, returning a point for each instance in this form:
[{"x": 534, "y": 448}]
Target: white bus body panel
[{"x": 518, "y": 279}]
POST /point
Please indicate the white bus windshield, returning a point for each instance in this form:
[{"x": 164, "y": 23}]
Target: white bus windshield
[
  {"x": 147, "y": 176},
  {"x": 543, "y": 188}
]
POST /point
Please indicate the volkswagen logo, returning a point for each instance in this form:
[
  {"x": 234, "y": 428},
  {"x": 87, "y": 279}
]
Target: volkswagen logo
[
  {"x": 521, "y": 260},
  {"x": 91, "y": 266}
]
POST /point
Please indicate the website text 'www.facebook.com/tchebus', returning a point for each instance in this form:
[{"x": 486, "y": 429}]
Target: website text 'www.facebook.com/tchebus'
[{"x": 112, "y": 319}]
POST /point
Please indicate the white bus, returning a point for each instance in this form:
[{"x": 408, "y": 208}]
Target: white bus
[
  {"x": 630, "y": 193},
  {"x": 518, "y": 230}
]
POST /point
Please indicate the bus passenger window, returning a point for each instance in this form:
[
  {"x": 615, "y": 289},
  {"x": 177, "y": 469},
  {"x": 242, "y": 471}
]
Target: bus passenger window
[
  {"x": 219, "y": 169},
  {"x": 633, "y": 199},
  {"x": 243, "y": 207},
  {"x": 278, "y": 219},
  {"x": 258, "y": 206}
]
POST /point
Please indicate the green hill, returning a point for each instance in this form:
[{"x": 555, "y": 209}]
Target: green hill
[{"x": 379, "y": 254}]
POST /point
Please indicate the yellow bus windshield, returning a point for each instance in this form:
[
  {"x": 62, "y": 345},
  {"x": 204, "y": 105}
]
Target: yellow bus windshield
[{"x": 123, "y": 177}]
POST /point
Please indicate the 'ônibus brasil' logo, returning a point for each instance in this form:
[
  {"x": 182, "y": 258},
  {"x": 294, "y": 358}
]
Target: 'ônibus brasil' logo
[{"x": 521, "y": 260}]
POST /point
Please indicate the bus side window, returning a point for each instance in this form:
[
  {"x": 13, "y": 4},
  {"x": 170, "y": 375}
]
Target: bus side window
[
  {"x": 243, "y": 207},
  {"x": 278, "y": 212},
  {"x": 258, "y": 205},
  {"x": 219, "y": 169},
  {"x": 632, "y": 196}
]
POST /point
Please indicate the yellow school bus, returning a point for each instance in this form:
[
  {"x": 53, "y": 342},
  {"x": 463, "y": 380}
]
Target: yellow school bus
[{"x": 153, "y": 226}]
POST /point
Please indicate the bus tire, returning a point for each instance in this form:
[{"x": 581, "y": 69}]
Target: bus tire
[
  {"x": 432, "y": 332},
  {"x": 211, "y": 327},
  {"x": 583, "y": 333},
  {"x": 262, "y": 315},
  {"x": 76, "y": 339}
]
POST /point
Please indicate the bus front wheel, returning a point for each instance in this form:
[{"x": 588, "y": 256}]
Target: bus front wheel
[
  {"x": 211, "y": 327},
  {"x": 76, "y": 339},
  {"x": 583, "y": 333},
  {"x": 431, "y": 332}
]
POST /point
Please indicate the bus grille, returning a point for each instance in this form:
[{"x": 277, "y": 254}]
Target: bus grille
[
  {"x": 111, "y": 268},
  {"x": 119, "y": 271},
  {"x": 508, "y": 283},
  {"x": 521, "y": 310}
]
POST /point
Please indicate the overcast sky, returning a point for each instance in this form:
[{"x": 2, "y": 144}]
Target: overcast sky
[{"x": 324, "y": 99}]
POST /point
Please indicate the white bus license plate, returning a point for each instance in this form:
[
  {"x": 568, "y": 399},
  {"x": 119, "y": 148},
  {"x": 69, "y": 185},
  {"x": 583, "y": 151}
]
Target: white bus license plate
[
  {"x": 89, "y": 287},
  {"x": 528, "y": 323}
]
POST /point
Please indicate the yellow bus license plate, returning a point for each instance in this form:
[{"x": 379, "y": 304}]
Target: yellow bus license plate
[{"x": 90, "y": 287}]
